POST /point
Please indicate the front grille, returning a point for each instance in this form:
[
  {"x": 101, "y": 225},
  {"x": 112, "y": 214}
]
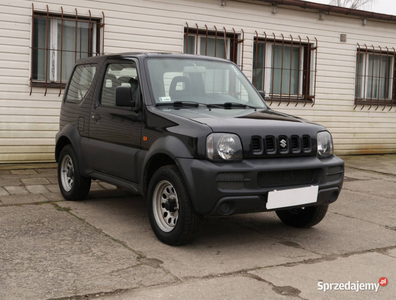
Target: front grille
[
  {"x": 270, "y": 144},
  {"x": 230, "y": 181},
  {"x": 282, "y": 145},
  {"x": 306, "y": 143},
  {"x": 295, "y": 143},
  {"x": 256, "y": 144},
  {"x": 286, "y": 178}
]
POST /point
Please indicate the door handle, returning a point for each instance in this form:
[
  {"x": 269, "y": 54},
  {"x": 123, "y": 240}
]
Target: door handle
[{"x": 96, "y": 118}]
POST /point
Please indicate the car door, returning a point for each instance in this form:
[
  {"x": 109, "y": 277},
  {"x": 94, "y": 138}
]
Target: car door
[{"x": 115, "y": 132}]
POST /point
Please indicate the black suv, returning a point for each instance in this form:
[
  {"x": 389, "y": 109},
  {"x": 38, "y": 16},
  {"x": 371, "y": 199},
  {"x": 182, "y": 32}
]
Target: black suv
[{"x": 193, "y": 136}]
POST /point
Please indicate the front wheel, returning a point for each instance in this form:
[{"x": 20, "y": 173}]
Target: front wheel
[
  {"x": 171, "y": 214},
  {"x": 303, "y": 217}
]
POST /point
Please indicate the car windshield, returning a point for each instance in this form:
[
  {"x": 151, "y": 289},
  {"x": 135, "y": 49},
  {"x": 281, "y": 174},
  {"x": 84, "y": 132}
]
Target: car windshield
[{"x": 203, "y": 81}]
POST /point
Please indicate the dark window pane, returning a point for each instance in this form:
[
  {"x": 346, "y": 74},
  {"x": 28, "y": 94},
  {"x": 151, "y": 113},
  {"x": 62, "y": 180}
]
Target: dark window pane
[
  {"x": 258, "y": 65},
  {"x": 80, "y": 82},
  {"x": 39, "y": 46},
  {"x": 191, "y": 45}
]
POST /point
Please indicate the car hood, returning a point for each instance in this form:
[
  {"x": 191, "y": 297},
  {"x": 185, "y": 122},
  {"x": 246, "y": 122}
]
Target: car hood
[
  {"x": 251, "y": 125},
  {"x": 247, "y": 121}
]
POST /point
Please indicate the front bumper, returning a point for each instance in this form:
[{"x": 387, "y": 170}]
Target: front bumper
[{"x": 233, "y": 188}]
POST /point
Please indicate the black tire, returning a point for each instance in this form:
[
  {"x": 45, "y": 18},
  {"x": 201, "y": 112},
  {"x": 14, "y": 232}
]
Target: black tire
[
  {"x": 81, "y": 185},
  {"x": 303, "y": 217},
  {"x": 188, "y": 221}
]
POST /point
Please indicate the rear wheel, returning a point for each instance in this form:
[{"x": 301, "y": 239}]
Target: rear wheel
[
  {"x": 303, "y": 217},
  {"x": 72, "y": 184},
  {"x": 172, "y": 216}
]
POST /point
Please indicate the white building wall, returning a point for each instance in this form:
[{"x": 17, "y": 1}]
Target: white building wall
[{"x": 28, "y": 124}]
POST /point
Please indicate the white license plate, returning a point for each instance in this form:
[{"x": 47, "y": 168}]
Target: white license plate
[{"x": 292, "y": 197}]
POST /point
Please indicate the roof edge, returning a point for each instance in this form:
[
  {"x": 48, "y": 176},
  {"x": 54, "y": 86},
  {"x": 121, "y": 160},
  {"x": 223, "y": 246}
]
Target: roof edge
[{"x": 332, "y": 8}]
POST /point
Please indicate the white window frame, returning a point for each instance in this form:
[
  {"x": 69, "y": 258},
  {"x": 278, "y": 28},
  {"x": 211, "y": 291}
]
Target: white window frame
[
  {"x": 365, "y": 81},
  {"x": 220, "y": 36}
]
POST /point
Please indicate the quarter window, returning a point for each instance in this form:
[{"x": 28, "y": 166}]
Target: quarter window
[{"x": 80, "y": 82}]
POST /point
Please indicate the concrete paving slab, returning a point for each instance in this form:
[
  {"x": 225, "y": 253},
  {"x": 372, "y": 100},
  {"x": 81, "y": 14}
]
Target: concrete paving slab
[
  {"x": 47, "y": 172},
  {"x": 52, "y": 180},
  {"x": 22, "y": 199},
  {"x": 215, "y": 264},
  {"x": 37, "y": 189},
  {"x": 378, "y": 163},
  {"x": 352, "y": 174},
  {"x": 54, "y": 196},
  {"x": 336, "y": 234},
  {"x": 54, "y": 188},
  {"x": 23, "y": 172},
  {"x": 3, "y": 192},
  {"x": 375, "y": 188},
  {"x": 34, "y": 181},
  {"x": 221, "y": 246},
  {"x": 4, "y": 172},
  {"x": 235, "y": 287},
  {"x": 10, "y": 182},
  {"x": 391, "y": 252},
  {"x": 19, "y": 176},
  {"x": 23, "y": 166},
  {"x": 365, "y": 268},
  {"x": 48, "y": 253},
  {"x": 16, "y": 190},
  {"x": 365, "y": 206}
]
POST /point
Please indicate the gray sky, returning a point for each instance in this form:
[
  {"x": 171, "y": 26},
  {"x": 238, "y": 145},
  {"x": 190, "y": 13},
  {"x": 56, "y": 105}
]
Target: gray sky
[{"x": 381, "y": 6}]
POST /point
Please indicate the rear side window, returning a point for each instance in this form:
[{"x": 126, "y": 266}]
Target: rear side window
[{"x": 80, "y": 82}]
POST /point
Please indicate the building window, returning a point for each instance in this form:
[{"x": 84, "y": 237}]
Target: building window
[
  {"x": 374, "y": 84},
  {"x": 57, "y": 42},
  {"x": 285, "y": 70},
  {"x": 214, "y": 43}
]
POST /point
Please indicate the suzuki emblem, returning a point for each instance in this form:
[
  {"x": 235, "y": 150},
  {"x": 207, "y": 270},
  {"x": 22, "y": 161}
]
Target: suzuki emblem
[{"x": 283, "y": 143}]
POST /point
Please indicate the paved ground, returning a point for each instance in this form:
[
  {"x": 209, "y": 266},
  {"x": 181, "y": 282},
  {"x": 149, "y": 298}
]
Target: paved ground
[{"x": 103, "y": 248}]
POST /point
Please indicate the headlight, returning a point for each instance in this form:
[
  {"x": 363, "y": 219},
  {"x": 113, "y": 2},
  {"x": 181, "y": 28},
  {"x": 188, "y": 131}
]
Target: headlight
[
  {"x": 325, "y": 144},
  {"x": 224, "y": 146}
]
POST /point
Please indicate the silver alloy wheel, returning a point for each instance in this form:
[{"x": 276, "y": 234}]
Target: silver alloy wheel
[
  {"x": 67, "y": 173},
  {"x": 165, "y": 206}
]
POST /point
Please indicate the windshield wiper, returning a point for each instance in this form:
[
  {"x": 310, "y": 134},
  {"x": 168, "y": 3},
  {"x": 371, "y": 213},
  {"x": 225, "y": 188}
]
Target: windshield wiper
[
  {"x": 188, "y": 103},
  {"x": 236, "y": 104},
  {"x": 208, "y": 105}
]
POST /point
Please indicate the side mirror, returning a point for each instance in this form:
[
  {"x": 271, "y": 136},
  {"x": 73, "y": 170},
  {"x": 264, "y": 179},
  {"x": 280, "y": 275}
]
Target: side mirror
[
  {"x": 124, "y": 97},
  {"x": 262, "y": 94}
]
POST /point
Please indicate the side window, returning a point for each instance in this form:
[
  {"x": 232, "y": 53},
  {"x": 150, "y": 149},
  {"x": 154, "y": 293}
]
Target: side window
[
  {"x": 80, "y": 82},
  {"x": 116, "y": 75}
]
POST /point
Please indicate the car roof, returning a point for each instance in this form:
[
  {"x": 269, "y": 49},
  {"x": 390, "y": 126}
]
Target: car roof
[{"x": 101, "y": 58}]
